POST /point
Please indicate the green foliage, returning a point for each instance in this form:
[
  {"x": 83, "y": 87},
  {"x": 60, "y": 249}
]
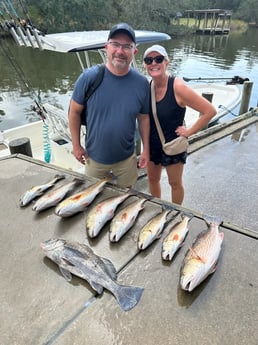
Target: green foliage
[{"x": 71, "y": 15}]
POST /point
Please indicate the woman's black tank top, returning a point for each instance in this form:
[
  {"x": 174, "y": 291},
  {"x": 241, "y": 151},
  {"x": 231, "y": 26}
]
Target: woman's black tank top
[{"x": 170, "y": 116}]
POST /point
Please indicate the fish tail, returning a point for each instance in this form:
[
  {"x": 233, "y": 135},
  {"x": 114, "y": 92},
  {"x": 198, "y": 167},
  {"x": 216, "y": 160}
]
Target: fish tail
[
  {"x": 187, "y": 215},
  {"x": 142, "y": 195},
  {"x": 212, "y": 219},
  {"x": 59, "y": 177},
  {"x": 128, "y": 296},
  {"x": 110, "y": 177}
]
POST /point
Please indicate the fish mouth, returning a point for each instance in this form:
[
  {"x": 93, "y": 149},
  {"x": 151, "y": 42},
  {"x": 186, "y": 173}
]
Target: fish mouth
[
  {"x": 113, "y": 238},
  {"x": 166, "y": 257},
  {"x": 141, "y": 246},
  {"x": 187, "y": 284}
]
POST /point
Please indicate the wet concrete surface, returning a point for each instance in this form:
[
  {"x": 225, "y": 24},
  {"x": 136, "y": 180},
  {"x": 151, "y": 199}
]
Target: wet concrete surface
[
  {"x": 222, "y": 179},
  {"x": 39, "y": 307}
]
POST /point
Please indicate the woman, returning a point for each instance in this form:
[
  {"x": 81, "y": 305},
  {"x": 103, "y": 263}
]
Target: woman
[{"x": 172, "y": 97}]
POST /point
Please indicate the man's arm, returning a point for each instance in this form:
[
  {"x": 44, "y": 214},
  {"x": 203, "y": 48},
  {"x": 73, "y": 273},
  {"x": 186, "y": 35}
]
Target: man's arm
[
  {"x": 144, "y": 129},
  {"x": 75, "y": 129}
]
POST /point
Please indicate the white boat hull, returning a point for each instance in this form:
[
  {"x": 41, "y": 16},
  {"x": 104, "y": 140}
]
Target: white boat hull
[
  {"x": 61, "y": 150},
  {"x": 224, "y": 98}
]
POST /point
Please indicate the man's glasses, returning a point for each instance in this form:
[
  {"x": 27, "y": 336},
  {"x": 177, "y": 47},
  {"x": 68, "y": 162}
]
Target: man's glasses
[
  {"x": 158, "y": 59},
  {"x": 125, "y": 47}
]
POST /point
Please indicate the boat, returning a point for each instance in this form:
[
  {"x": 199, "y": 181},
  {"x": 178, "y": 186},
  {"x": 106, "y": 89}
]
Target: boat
[
  {"x": 224, "y": 97},
  {"x": 49, "y": 138}
]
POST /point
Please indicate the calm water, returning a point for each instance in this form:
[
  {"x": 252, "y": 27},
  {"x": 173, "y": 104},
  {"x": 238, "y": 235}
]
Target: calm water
[{"x": 26, "y": 72}]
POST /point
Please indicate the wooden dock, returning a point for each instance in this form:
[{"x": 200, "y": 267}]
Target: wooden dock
[
  {"x": 211, "y": 21},
  {"x": 217, "y": 132}
]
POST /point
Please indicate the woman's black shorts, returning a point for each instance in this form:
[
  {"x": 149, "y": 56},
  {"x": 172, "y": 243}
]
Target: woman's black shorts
[{"x": 159, "y": 157}]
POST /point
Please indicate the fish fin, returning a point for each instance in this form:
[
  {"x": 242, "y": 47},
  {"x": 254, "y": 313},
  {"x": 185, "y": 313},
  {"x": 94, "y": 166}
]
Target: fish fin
[
  {"x": 212, "y": 219},
  {"x": 188, "y": 215},
  {"x": 197, "y": 256},
  {"x": 214, "y": 267},
  {"x": 109, "y": 268},
  {"x": 97, "y": 287},
  {"x": 128, "y": 296},
  {"x": 66, "y": 274}
]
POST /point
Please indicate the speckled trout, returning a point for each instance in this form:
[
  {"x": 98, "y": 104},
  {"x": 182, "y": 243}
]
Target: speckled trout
[
  {"x": 201, "y": 259},
  {"x": 152, "y": 230},
  {"x": 98, "y": 216},
  {"x": 79, "y": 201},
  {"x": 125, "y": 219},
  {"x": 175, "y": 238},
  {"x": 36, "y": 191},
  {"x": 79, "y": 259},
  {"x": 55, "y": 196}
]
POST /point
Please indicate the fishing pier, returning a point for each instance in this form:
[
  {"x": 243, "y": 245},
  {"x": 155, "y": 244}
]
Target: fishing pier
[{"x": 211, "y": 21}]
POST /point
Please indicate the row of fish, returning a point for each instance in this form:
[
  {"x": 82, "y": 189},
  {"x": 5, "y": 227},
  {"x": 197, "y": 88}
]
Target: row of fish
[
  {"x": 79, "y": 259},
  {"x": 100, "y": 214},
  {"x": 200, "y": 259},
  {"x": 64, "y": 207}
]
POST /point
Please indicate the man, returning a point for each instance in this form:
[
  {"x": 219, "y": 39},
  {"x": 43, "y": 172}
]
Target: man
[{"x": 112, "y": 110}]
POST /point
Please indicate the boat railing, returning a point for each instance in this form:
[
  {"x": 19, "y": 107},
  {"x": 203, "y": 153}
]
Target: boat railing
[{"x": 58, "y": 121}]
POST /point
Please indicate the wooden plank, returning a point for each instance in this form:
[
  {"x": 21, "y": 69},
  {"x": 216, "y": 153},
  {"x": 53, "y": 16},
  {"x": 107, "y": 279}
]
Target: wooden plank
[{"x": 212, "y": 134}]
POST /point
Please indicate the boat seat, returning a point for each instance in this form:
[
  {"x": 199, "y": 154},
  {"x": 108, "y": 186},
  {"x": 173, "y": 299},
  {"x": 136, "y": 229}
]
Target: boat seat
[{"x": 57, "y": 119}]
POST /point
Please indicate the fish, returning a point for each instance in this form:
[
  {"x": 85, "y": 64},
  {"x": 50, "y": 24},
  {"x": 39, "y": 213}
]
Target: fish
[
  {"x": 201, "y": 259},
  {"x": 125, "y": 219},
  {"x": 55, "y": 196},
  {"x": 36, "y": 191},
  {"x": 152, "y": 229},
  {"x": 79, "y": 259},
  {"x": 175, "y": 238},
  {"x": 100, "y": 214},
  {"x": 79, "y": 201}
]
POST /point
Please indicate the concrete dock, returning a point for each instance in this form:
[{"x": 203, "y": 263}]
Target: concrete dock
[{"x": 39, "y": 307}]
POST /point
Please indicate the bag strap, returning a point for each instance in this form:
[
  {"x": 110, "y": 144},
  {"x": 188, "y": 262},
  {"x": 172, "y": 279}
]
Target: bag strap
[
  {"x": 154, "y": 112},
  {"x": 97, "y": 81}
]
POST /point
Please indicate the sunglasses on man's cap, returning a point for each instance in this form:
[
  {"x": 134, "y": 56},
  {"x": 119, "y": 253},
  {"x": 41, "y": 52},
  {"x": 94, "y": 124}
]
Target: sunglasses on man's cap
[{"x": 158, "y": 59}]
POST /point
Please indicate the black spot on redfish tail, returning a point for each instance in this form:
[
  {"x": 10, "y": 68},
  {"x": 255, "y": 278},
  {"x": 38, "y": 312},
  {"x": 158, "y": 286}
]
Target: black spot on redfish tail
[{"x": 128, "y": 296}]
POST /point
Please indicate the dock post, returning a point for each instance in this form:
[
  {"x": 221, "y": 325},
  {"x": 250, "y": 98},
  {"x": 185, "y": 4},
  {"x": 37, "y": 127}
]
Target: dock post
[
  {"x": 247, "y": 90},
  {"x": 209, "y": 97},
  {"x": 21, "y": 145}
]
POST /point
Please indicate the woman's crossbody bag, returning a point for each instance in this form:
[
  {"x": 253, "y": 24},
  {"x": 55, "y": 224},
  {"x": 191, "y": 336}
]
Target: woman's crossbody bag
[{"x": 173, "y": 147}]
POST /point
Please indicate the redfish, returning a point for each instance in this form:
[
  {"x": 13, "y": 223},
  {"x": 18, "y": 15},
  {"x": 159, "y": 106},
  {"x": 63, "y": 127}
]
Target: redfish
[
  {"x": 175, "y": 238},
  {"x": 55, "y": 196},
  {"x": 125, "y": 219},
  {"x": 79, "y": 201},
  {"x": 152, "y": 230},
  {"x": 36, "y": 191},
  {"x": 201, "y": 259},
  {"x": 100, "y": 214}
]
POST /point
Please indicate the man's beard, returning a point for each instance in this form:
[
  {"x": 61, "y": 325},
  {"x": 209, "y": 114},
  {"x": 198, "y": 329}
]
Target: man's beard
[{"x": 120, "y": 65}]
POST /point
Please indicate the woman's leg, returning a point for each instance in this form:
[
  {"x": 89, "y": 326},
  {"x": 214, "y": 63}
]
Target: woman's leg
[
  {"x": 154, "y": 174},
  {"x": 175, "y": 179}
]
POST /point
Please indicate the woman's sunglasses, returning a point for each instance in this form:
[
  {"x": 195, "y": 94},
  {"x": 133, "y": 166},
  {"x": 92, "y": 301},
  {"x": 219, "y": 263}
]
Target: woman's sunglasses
[{"x": 157, "y": 59}]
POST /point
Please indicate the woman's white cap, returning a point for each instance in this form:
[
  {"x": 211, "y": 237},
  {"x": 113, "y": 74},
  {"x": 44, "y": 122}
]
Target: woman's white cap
[{"x": 156, "y": 48}]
